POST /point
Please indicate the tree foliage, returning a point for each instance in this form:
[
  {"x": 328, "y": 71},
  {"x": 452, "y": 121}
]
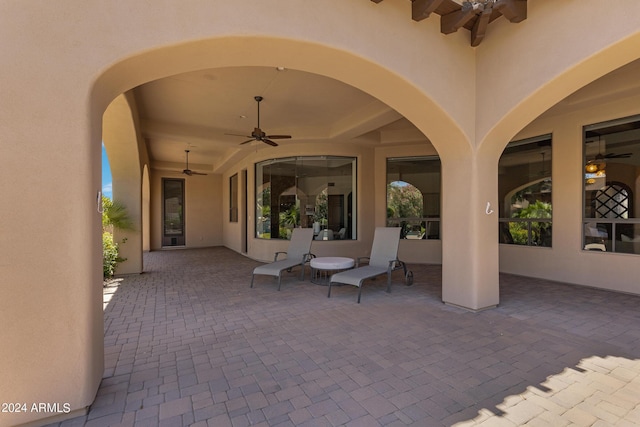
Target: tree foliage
[
  {"x": 404, "y": 201},
  {"x": 540, "y": 231},
  {"x": 114, "y": 216}
]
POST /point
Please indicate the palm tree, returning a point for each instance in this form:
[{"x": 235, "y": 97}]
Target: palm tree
[{"x": 115, "y": 215}]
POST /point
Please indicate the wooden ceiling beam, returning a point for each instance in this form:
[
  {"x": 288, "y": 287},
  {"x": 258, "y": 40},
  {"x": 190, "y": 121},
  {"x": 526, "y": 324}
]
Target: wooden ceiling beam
[
  {"x": 452, "y": 22},
  {"x": 480, "y": 27},
  {"x": 514, "y": 10},
  {"x": 421, "y": 9},
  {"x": 473, "y": 15}
]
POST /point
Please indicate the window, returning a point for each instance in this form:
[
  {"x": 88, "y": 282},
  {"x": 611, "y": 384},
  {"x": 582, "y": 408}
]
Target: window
[
  {"x": 173, "y": 212},
  {"x": 233, "y": 198},
  {"x": 413, "y": 196},
  {"x": 524, "y": 190},
  {"x": 611, "y": 184},
  {"x": 309, "y": 192}
]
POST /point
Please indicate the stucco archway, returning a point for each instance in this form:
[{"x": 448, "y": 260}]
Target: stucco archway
[
  {"x": 122, "y": 144},
  {"x": 447, "y": 136}
]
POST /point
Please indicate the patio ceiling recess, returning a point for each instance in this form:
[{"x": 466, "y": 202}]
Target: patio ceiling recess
[{"x": 472, "y": 15}]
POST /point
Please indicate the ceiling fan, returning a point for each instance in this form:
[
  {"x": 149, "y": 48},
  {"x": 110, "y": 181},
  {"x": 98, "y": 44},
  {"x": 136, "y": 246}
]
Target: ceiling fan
[
  {"x": 600, "y": 156},
  {"x": 258, "y": 134},
  {"x": 188, "y": 171}
]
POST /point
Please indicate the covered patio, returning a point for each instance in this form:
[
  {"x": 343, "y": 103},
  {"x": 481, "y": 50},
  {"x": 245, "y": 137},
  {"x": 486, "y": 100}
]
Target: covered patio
[{"x": 188, "y": 342}]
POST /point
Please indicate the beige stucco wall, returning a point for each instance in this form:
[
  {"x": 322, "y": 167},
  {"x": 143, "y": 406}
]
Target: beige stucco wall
[
  {"x": 566, "y": 261},
  {"x": 57, "y": 80},
  {"x": 203, "y": 209},
  {"x": 122, "y": 141}
]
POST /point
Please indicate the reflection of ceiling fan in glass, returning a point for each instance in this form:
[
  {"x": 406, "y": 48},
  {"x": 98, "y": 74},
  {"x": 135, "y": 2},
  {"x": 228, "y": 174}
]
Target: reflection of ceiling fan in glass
[{"x": 598, "y": 164}]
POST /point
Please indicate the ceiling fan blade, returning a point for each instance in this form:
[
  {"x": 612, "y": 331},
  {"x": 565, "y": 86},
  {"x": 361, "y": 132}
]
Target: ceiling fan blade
[
  {"x": 258, "y": 134},
  {"x": 268, "y": 141},
  {"x": 196, "y": 173},
  {"x": 618, "y": 156}
]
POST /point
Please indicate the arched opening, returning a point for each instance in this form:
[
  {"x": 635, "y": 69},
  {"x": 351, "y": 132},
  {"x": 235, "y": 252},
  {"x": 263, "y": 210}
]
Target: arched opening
[{"x": 374, "y": 65}]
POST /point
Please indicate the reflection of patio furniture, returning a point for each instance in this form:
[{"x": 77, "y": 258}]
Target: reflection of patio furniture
[
  {"x": 591, "y": 229},
  {"x": 298, "y": 253},
  {"x": 383, "y": 259},
  {"x": 628, "y": 245},
  {"x": 325, "y": 234},
  {"x": 595, "y": 247},
  {"x": 322, "y": 267}
]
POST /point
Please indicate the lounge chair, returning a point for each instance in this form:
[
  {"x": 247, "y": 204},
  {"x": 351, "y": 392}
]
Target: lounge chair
[
  {"x": 383, "y": 259},
  {"x": 298, "y": 254}
]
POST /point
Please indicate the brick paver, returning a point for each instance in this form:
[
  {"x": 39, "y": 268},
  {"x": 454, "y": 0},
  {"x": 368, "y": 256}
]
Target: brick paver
[{"x": 189, "y": 343}]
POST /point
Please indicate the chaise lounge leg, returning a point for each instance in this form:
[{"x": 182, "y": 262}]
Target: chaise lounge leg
[
  {"x": 359, "y": 292},
  {"x": 252, "y": 276},
  {"x": 389, "y": 282},
  {"x": 329, "y": 294},
  {"x": 279, "y": 281}
]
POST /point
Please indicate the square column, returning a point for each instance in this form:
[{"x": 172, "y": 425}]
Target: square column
[{"x": 470, "y": 257}]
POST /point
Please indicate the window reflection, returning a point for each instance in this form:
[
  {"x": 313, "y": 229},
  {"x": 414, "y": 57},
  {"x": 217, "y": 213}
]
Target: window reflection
[
  {"x": 525, "y": 189},
  {"x": 611, "y": 186},
  {"x": 308, "y": 192},
  {"x": 413, "y": 196}
]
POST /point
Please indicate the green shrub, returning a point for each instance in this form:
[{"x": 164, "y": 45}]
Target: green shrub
[{"x": 109, "y": 255}]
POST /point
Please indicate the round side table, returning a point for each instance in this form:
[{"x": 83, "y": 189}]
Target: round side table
[{"x": 321, "y": 268}]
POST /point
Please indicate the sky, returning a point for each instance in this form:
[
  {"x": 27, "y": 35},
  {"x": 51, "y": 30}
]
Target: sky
[{"x": 106, "y": 175}]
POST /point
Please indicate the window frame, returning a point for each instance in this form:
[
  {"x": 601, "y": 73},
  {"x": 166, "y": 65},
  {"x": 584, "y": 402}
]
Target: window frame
[
  {"x": 233, "y": 198},
  {"x": 504, "y": 221},
  {"x": 410, "y": 224},
  {"x": 348, "y": 208},
  {"x": 600, "y": 234}
]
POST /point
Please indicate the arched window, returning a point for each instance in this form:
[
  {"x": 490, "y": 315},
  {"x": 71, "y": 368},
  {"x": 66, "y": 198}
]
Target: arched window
[{"x": 614, "y": 201}]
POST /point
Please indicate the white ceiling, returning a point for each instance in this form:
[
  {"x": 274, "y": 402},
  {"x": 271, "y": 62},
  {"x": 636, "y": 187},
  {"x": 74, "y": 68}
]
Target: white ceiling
[{"x": 197, "y": 110}]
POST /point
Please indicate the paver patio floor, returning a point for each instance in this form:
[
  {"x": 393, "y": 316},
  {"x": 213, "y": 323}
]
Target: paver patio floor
[{"x": 189, "y": 343}]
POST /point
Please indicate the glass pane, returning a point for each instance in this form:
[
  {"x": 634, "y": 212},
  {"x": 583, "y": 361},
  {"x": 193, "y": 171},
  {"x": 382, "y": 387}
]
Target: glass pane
[
  {"x": 628, "y": 238},
  {"x": 611, "y": 185},
  {"x": 413, "y": 196},
  {"x": 612, "y": 169},
  {"x": 515, "y": 232},
  {"x": 173, "y": 212},
  {"x": 597, "y": 236},
  {"x": 309, "y": 192},
  {"x": 525, "y": 191},
  {"x": 263, "y": 201},
  {"x": 233, "y": 198}
]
